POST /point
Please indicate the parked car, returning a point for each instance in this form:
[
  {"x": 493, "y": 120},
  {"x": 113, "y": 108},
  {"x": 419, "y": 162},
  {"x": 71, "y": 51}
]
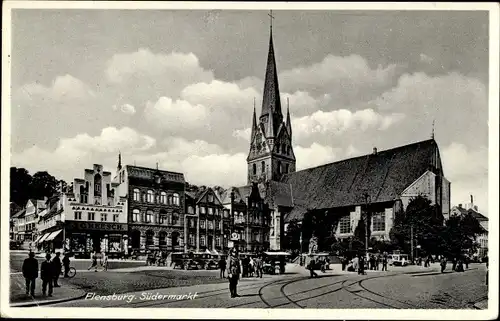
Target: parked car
[
  {"x": 211, "y": 265},
  {"x": 398, "y": 259},
  {"x": 191, "y": 265}
]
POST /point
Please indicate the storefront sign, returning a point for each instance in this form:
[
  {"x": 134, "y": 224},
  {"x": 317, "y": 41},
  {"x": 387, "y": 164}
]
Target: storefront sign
[{"x": 96, "y": 226}]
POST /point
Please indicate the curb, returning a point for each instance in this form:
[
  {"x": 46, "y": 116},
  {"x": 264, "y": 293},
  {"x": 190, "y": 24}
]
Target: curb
[{"x": 46, "y": 302}]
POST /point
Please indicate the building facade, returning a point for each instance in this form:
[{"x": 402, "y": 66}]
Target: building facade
[
  {"x": 156, "y": 207},
  {"x": 33, "y": 210},
  {"x": 481, "y": 239},
  {"x": 90, "y": 217}
]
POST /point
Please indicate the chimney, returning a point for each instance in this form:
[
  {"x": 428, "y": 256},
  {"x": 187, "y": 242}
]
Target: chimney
[
  {"x": 476, "y": 208},
  {"x": 471, "y": 199},
  {"x": 374, "y": 150}
]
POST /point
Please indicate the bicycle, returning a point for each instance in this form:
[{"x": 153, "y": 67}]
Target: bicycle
[{"x": 71, "y": 272}]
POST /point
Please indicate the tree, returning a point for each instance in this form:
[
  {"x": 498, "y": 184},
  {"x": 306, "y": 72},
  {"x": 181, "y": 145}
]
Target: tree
[
  {"x": 460, "y": 235},
  {"x": 43, "y": 185},
  {"x": 20, "y": 182},
  {"x": 292, "y": 235},
  {"x": 426, "y": 220}
]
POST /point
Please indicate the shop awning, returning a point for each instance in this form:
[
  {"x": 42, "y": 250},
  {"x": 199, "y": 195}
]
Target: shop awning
[
  {"x": 38, "y": 238},
  {"x": 42, "y": 239},
  {"x": 53, "y": 235}
]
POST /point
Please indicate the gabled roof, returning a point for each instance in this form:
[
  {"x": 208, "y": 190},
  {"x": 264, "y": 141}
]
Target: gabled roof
[
  {"x": 383, "y": 176},
  {"x": 19, "y": 214},
  {"x": 478, "y": 216}
]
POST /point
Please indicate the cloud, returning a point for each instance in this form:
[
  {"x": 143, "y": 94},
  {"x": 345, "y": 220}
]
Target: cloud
[
  {"x": 72, "y": 155},
  {"x": 63, "y": 88},
  {"x": 164, "y": 74},
  {"x": 347, "y": 79},
  {"x": 314, "y": 155},
  {"x": 339, "y": 121},
  {"x": 467, "y": 169},
  {"x": 125, "y": 108},
  {"x": 243, "y": 134},
  {"x": 172, "y": 116},
  {"x": 426, "y": 59}
]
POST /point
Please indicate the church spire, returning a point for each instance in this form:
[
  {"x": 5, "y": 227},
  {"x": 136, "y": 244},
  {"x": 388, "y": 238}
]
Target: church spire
[
  {"x": 254, "y": 121},
  {"x": 271, "y": 104},
  {"x": 119, "y": 160},
  {"x": 288, "y": 121}
]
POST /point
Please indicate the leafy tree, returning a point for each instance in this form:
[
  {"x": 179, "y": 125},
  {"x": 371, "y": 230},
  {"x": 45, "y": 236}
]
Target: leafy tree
[
  {"x": 20, "y": 181},
  {"x": 292, "y": 235},
  {"x": 460, "y": 235},
  {"x": 43, "y": 185}
]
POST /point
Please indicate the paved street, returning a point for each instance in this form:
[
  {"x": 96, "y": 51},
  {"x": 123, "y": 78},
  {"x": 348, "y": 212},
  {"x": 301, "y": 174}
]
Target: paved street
[{"x": 403, "y": 288}]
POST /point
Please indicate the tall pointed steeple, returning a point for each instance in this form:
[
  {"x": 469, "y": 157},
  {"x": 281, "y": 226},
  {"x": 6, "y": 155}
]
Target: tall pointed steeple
[
  {"x": 288, "y": 121},
  {"x": 119, "y": 160},
  {"x": 254, "y": 121},
  {"x": 271, "y": 103}
]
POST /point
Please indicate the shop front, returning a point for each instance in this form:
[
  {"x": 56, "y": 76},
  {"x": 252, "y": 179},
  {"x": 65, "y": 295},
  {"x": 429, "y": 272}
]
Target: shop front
[{"x": 84, "y": 238}]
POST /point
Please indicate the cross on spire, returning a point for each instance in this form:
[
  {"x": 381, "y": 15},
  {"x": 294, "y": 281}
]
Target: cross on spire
[{"x": 271, "y": 17}]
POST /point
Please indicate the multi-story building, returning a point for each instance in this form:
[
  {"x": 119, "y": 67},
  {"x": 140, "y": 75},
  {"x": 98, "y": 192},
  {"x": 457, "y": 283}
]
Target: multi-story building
[
  {"x": 207, "y": 221},
  {"x": 156, "y": 205},
  {"x": 14, "y": 209},
  {"x": 91, "y": 217},
  {"x": 18, "y": 225},
  {"x": 33, "y": 209}
]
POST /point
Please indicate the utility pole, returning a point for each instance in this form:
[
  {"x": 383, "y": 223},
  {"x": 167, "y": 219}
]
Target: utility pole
[
  {"x": 411, "y": 241},
  {"x": 367, "y": 198}
]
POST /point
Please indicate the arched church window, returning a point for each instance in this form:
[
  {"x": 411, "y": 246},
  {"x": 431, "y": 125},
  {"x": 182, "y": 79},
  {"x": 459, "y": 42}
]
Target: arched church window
[
  {"x": 279, "y": 167},
  {"x": 263, "y": 166},
  {"x": 254, "y": 169},
  {"x": 287, "y": 167}
]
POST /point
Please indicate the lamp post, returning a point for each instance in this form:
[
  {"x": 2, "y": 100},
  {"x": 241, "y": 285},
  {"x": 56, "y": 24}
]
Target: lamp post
[{"x": 367, "y": 201}]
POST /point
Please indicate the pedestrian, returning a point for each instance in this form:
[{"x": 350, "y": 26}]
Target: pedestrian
[
  {"x": 260, "y": 267},
  {"x": 311, "y": 266},
  {"x": 30, "y": 273},
  {"x": 361, "y": 267},
  {"x": 466, "y": 261},
  {"x": 344, "y": 263},
  {"x": 222, "y": 267},
  {"x": 233, "y": 272},
  {"x": 46, "y": 274},
  {"x": 65, "y": 262},
  {"x": 426, "y": 264},
  {"x": 94, "y": 262},
  {"x": 251, "y": 267},
  {"x": 443, "y": 264},
  {"x": 384, "y": 262},
  {"x": 454, "y": 264},
  {"x": 56, "y": 268},
  {"x": 104, "y": 261}
]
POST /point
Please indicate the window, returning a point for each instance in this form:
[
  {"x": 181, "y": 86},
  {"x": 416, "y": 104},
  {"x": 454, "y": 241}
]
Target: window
[
  {"x": 279, "y": 167},
  {"x": 90, "y": 216},
  {"x": 97, "y": 185},
  {"x": 254, "y": 166},
  {"x": 175, "y": 218},
  {"x": 190, "y": 210},
  {"x": 202, "y": 224},
  {"x": 151, "y": 196},
  {"x": 135, "y": 215},
  {"x": 163, "y": 219},
  {"x": 163, "y": 198},
  {"x": 263, "y": 166},
  {"x": 210, "y": 211},
  {"x": 104, "y": 217},
  {"x": 345, "y": 224},
  {"x": 83, "y": 198},
  {"x": 176, "y": 199},
  {"x": 149, "y": 216},
  {"x": 192, "y": 223},
  {"x": 287, "y": 168},
  {"x": 219, "y": 225},
  {"x": 226, "y": 213},
  {"x": 116, "y": 217},
  {"x": 378, "y": 221},
  {"x": 137, "y": 195},
  {"x": 149, "y": 238},
  {"x": 202, "y": 240},
  {"x": 162, "y": 239},
  {"x": 211, "y": 225},
  {"x": 217, "y": 212},
  {"x": 191, "y": 239},
  {"x": 78, "y": 215},
  {"x": 170, "y": 200},
  {"x": 202, "y": 209},
  {"x": 210, "y": 198},
  {"x": 217, "y": 241}
]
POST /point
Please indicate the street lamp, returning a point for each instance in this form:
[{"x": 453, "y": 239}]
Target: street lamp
[{"x": 367, "y": 201}]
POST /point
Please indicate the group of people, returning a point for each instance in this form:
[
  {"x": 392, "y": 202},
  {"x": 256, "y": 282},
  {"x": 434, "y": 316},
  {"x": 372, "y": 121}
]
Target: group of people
[
  {"x": 359, "y": 263},
  {"x": 250, "y": 266},
  {"x": 50, "y": 270},
  {"x": 457, "y": 264}
]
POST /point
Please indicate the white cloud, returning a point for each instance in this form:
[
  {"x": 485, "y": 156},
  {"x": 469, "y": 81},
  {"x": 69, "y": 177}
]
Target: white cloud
[
  {"x": 467, "y": 169},
  {"x": 146, "y": 63},
  {"x": 220, "y": 95},
  {"x": 243, "y": 133},
  {"x": 314, "y": 155},
  {"x": 169, "y": 115},
  {"x": 339, "y": 121},
  {"x": 347, "y": 79},
  {"x": 352, "y": 151},
  {"x": 63, "y": 88},
  {"x": 73, "y": 154},
  {"x": 125, "y": 108}
]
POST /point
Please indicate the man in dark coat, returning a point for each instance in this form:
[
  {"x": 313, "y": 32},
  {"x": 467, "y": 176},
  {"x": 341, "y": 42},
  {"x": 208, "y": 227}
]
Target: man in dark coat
[
  {"x": 311, "y": 267},
  {"x": 30, "y": 273},
  {"x": 65, "y": 262},
  {"x": 46, "y": 274},
  {"x": 222, "y": 267},
  {"x": 56, "y": 268},
  {"x": 233, "y": 271}
]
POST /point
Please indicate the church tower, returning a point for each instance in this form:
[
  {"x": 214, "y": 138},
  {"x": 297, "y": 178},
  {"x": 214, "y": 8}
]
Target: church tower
[{"x": 271, "y": 153}]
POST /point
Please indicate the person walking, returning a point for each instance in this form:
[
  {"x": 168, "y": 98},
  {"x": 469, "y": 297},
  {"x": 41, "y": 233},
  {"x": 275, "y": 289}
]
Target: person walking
[
  {"x": 466, "y": 261},
  {"x": 251, "y": 267},
  {"x": 454, "y": 264},
  {"x": 30, "y": 273},
  {"x": 94, "y": 262},
  {"x": 46, "y": 274},
  {"x": 361, "y": 267},
  {"x": 104, "y": 261},
  {"x": 311, "y": 266},
  {"x": 65, "y": 262},
  {"x": 233, "y": 272},
  {"x": 56, "y": 266},
  {"x": 384, "y": 262},
  {"x": 222, "y": 267},
  {"x": 443, "y": 264},
  {"x": 260, "y": 267}
]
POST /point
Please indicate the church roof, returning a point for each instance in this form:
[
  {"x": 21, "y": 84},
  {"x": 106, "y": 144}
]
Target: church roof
[
  {"x": 149, "y": 173},
  {"x": 383, "y": 176}
]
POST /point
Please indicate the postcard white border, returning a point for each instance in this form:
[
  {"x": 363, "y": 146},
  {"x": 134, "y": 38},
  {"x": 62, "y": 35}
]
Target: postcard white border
[{"x": 127, "y": 313}]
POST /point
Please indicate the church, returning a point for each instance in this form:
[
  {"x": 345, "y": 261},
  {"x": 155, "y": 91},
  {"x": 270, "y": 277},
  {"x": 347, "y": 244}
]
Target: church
[{"x": 381, "y": 182}]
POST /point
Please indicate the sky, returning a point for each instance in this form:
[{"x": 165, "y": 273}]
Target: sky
[{"x": 177, "y": 88}]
